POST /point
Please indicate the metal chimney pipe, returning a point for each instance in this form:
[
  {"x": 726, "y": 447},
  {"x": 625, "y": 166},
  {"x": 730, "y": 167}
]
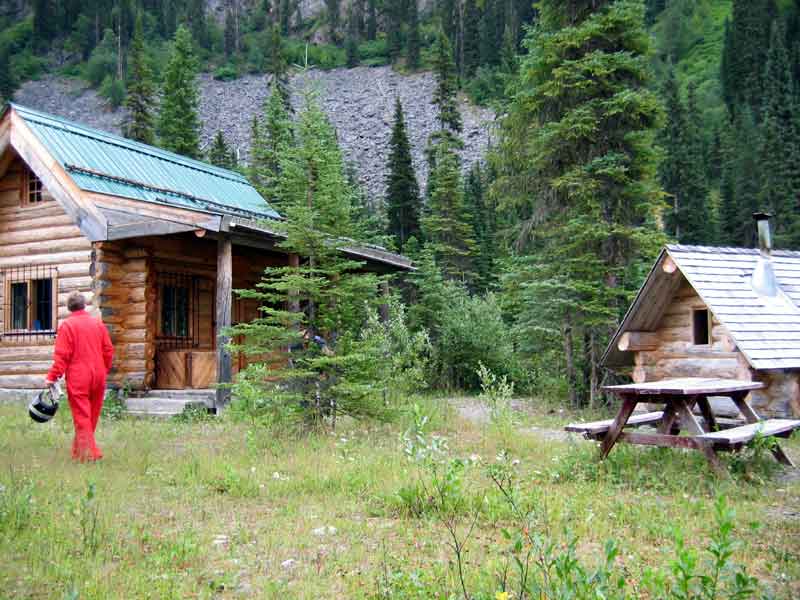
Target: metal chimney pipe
[
  {"x": 763, "y": 279},
  {"x": 764, "y": 235}
]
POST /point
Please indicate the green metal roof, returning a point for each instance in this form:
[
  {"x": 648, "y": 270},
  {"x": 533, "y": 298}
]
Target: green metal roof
[{"x": 109, "y": 164}]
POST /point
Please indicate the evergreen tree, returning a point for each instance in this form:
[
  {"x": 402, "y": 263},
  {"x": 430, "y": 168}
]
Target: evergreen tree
[
  {"x": 334, "y": 16},
  {"x": 483, "y": 224},
  {"x": 741, "y": 180},
  {"x": 372, "y": 20},
  {"x": 220, "y": 153},
  {"x": 141, "y": 91},
  {"x": 351, "y": 43},
  {"x": 683, "y": 172},
  {"x": 588, "y": 208},
  {"x": 446, "y": 225},
  {"x": 268, "y": 142},
  {"x": 470, "y": 45},
  {"x": 278, "y": 67},
  {"x": 178, "y": 121},
  {"x": 489, "y": 42},
  {"x": 402, "y": 190},
  {"x": 43, "y": 20},
  {"x": 8, "y": 84},
  {"x": 780, "y": 151},
  {"x": 313, "y": 312},
  {"x": 745, "y": 52},
  {"x": 230, "y": 34},
  {"x": 196, "y": 17},
  {"x": 445, "y": 95},
  {"x": 412, "y": 40},
  {"x": 394, "y": 29}
]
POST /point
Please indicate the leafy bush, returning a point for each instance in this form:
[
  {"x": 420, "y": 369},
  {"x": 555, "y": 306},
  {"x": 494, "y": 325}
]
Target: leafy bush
[
  {"x": 103, "y": 61},
  {"x": 486, "y": 86},
  {"x": 471, "y": 333},
  {"x": 226, "y": 73},
  {"x": 113, "y": 90},
  {"x": 374, "y": 52},
  {"x": 324, "y": 56}
]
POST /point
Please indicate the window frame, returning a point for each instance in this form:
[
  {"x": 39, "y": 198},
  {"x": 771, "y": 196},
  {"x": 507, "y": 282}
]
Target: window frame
[
  {"x": 708, "y": 326},
  {"x": 22, "y": 275},
  {"x": 29, "y": 177}
]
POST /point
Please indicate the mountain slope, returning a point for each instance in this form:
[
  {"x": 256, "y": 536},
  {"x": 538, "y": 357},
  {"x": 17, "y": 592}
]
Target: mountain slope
[{"x": 359, "y": 102}]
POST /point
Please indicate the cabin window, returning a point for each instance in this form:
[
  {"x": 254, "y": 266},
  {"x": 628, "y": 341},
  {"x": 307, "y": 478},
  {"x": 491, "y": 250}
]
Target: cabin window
[
  {"x": 32, "y": 191},
  {"x": 178, "y": 315},
  {"x": 29, "y": 302},
  {"x": 701, "y": 327}
]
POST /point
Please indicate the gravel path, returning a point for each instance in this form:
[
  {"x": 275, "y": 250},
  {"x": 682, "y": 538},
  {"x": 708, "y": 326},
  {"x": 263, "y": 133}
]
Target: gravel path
[{"x": 475, "y": 411}]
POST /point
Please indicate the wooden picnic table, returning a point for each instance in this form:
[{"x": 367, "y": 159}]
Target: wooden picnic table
[{"x": 679, "y": 397}]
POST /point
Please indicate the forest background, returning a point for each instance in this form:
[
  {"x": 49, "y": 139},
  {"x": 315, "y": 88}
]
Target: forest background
[{"x": 621, "y": 125}]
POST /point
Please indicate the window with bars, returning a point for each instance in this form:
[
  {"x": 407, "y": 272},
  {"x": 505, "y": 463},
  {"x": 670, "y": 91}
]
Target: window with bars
[
  {"x": 30, "y": 302},
  {"x": 179, "y": 325}
]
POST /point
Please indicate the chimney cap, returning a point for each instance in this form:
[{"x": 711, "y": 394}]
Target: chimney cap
[{"x": 761, "y": 216}]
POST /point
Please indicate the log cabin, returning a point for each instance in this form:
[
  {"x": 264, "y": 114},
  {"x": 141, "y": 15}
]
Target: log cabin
[
  {"x": 156, "y": 241},
  {"x": 718, "y": 312}
]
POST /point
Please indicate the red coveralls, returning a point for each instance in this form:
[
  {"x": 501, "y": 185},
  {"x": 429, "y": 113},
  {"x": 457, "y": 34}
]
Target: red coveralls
[{"x": 84, "y": 353}]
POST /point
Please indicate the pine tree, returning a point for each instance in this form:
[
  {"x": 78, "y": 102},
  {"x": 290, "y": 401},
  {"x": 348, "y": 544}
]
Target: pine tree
[
  {"x": 445, "y": 95},
  {"x": 402, "y": 190},
  {"x": 394, "y": 29},
  {"x": 682, "y": 171},
  {"x": 178, "y": 121},
  {"x": 278, "y": 67},
  {"x": 351, "y": 43},
  {"x": 230, "y": 34},
  {"x": 470, "y": 46},
  {"x": 372, "y": 20},
  {"x": 741, "y": 180},
  {"x": 483, "y": 224},
  {"x": 317, "y": 359},
  {"x": 334, "y": 16},
  {"x": 780, "y": 151},
  {"x": 141, "y": 91},
  {"x": 745, "y": 52},
  {"x": 268, "y": 142},
  {"x": 489, "y": 43},
  {"x": 588, "y": 209},
  {"x": 196, "y": 17},
  {"x": 412, "y": 40},
  {"x": 8, "y": 85},
  {"x": 43, "y": 25},
  {"x": 446, "y": 224},
  {"x": 220, "y": 153}
]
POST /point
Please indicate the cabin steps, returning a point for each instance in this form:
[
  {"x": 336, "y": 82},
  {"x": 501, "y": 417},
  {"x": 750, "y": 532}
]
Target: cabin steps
[{"x": 168, "y": 403}]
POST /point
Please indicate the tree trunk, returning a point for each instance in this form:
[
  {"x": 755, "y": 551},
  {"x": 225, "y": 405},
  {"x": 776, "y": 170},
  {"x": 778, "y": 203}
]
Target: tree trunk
[
  {"x": 594, "y": 390},
  {"x": 569, "y": 354}
]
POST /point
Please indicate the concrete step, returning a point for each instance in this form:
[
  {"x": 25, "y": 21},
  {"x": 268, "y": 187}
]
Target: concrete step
[{"x": 158, "y": 406}]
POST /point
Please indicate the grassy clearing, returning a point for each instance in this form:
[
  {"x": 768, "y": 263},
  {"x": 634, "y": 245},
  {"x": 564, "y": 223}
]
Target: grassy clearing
[{"x": 219, "y": 509}]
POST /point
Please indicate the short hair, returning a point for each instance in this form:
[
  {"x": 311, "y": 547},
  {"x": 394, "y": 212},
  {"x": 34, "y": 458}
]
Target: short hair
[{"x": 76, "y": 301}]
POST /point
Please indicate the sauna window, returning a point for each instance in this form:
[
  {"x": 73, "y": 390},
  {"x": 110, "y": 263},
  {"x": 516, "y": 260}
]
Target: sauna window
[
  {"x": 701, "y": 327},
  {"x": 33, "y": 191},
  {"x": 175, "y": 311},
  {"x": 29, "y": 302}
]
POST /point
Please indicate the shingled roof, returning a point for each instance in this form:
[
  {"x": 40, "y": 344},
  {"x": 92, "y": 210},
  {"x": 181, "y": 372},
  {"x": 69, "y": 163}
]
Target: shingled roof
[
  {"x": 766, "y": 330},
  {"x": 101, "y": 162}
]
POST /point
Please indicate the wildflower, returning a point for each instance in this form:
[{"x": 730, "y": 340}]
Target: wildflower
[{"x": 501, "y": 596}]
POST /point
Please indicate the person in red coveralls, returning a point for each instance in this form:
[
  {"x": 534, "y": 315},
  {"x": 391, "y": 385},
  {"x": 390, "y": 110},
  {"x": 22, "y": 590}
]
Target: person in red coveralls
[{"x": 84, "y": 353}]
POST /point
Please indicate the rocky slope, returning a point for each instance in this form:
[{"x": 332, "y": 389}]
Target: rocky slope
[{"x": 359, "y": 102}]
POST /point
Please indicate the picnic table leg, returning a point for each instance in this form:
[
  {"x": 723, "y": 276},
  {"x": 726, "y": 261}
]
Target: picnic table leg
[
  {"x": 684, "y": 410},
  {"x": 751, "y": 416},
  {"x": 625, "y": 411},
  {"x": 667, "y": 419},
  {"x": 708, "y": 415}
]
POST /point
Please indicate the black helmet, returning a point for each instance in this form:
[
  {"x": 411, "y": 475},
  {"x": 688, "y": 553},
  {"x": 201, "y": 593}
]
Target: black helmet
[{"x": 44, "y": 406}]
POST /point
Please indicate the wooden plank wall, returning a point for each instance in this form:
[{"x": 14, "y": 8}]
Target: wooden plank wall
[
  {"x": 41, "y": 234},
  {"x": 677, "y": 356},
  {"x": 124, "y": 295}
]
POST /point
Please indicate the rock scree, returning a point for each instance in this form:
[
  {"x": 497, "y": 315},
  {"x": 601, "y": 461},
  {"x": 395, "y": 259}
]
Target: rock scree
[{"x": 359, "y": 103}]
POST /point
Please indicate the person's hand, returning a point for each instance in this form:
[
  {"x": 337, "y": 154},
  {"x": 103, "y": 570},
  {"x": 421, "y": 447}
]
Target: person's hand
[{"x": 48, "y": 382}]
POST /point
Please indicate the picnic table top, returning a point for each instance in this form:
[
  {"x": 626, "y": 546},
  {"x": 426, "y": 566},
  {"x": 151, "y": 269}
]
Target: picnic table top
[{"x": 686, "y": 386}]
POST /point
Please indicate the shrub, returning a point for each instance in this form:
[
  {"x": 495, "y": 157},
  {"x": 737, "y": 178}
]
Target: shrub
[
  {"x": 226, "y": 73},
  {"x": 486, "y": 86},
  {"x": 113, "y": 90},
  {"x": 471, "y": 333}
]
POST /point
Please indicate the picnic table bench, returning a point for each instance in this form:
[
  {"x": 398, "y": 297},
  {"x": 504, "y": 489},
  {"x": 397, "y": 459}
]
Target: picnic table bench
[{"x": 708, "y": 434}]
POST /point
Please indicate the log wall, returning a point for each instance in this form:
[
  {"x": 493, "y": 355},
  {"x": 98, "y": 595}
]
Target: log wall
[
  {"x": 40, "y": 234},
  {"x": 677, "y": 356}
]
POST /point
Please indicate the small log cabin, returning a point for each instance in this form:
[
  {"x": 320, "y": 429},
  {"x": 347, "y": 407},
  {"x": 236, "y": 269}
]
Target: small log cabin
[
  {"x": 155, "y": 240},
  {"x": 718, "y": 312}
]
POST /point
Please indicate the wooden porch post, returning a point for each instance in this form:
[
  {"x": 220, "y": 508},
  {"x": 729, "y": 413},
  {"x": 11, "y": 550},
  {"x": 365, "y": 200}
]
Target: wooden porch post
[{"x": 224, "y": 302}]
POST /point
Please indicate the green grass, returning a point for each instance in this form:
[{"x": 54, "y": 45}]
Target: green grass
[{"x": 212, "y": 508}]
